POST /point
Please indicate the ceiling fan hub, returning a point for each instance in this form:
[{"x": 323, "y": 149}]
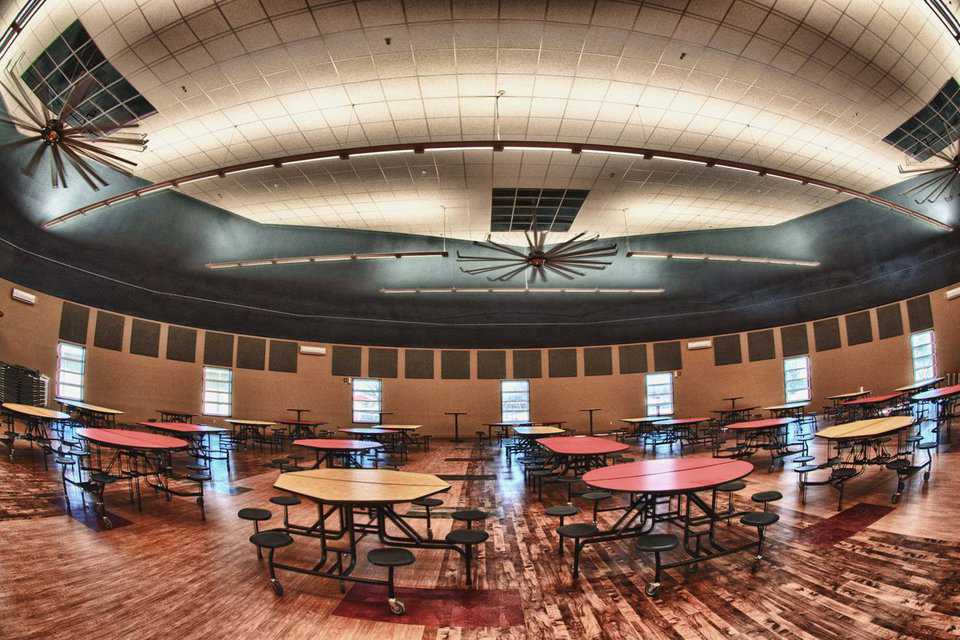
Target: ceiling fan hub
[{"x": 53, "y": 132}]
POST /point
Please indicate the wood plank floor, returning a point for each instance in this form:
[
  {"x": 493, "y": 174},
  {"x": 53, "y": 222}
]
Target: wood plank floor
[{"x": 891, "y": 573}]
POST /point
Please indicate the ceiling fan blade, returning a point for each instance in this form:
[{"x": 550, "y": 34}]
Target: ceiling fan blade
[
  {"x": 508, "y": 276},
  {"x": 84, "y": 169},
  {"x": 58, "y": 163},
  {"x": 29, "y": 110},
  {"x": 96, "y": 150},
  {"x": 31, "y": 166},
  {"x": 606, "y": 250},
  {"x": 77, "y": 95},
  {"x": 575, "y": 246},
  {"x": 17, "y": 122},
  {"x": 560, "y": 247},
  {"x": 461, "y": 258},
  {"x": 494, "y": 246},
  {"x": 922, "y": 169},
  {"x": 9, "y": 146},
  {"x": 557, "y": 270},
  {"x": 480, "y": 270},
  {"x": 935, "y": 179}
]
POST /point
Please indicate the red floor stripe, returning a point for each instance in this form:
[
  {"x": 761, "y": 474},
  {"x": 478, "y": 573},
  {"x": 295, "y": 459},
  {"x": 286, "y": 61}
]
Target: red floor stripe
[
  {"x": 435, "y": 607},
  {"x": 845, "y": 524}
]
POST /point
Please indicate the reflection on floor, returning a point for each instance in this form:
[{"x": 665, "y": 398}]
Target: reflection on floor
[{"x": 874, "y": 570}]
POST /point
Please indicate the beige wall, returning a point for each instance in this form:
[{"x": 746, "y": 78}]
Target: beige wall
[{"x": 140, "y": 385}]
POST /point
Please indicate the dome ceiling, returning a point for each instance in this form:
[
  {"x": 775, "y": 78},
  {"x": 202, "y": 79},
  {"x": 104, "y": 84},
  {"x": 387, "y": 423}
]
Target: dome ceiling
[{"x": 801, "y": 86}]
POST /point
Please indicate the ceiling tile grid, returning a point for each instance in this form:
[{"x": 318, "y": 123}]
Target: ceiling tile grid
[{"x": 809, "y": 87}]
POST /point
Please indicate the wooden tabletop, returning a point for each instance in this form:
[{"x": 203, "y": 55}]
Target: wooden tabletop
[
  {"x": 679, "y": 422},
  {"x": 35, "y": 412},
  {"x": 749, "y": 425},
  {"x": 183, "y": 427},
  {"x": 883, "y": 397},
  {"x": 737, "y": 410},
  {"x": 921, "y": 384},
  {"x": 788, "y": 405},
  {"x": 86, "y": 406},
  {"x": 644, "y": 419},
  {"x": 361, "y": 486},
  {"x": 126, "y": 439},
  {"x": 850, "y": 394},
  {"x": 865, "y": 428},
  {"x": 401, "y": 427},
  {"x": 668, "y": 475},
  {"x": 939, "y": 394},
  {"x": 249, "y": 423},
  {"x": 537, "y": 431}
]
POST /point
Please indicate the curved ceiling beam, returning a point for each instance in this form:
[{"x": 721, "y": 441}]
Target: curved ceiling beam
[{"x": 498, "y": 145}]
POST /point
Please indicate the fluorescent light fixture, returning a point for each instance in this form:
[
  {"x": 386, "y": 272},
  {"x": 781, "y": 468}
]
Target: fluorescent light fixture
[
  {"x": 711, "y": 257},
  {"x": 231, "y": 172},
  {"x": 699, "y": 344},
  {"x": 627, "y": 154},
  {"x": 518, "y": 148},
  {"x": 308, "y": 350},
  {"x": 377, "y": 153},
  {"x": 479, "y": 148},
  {"x": 22, "y": 296},
  {"x": 775, "y": 175},
  {"x": 596, "y": 290},
  {"x": 306, "y": 160},
  {"x": 200, "y": 179},
  {"x": 343, "y": 257},
  {"x": 952, "y": 294},
  {"x": 702, "y": 163},
  {"x": 736, "y": 168}
]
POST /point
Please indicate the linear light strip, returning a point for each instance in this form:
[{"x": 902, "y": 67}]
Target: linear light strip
[
  {"x": 595, "y": 290},
  {"x": 344, "y": 257},
  {"x": 498, "y": 145},
  {"x": 712, "y": 257}
]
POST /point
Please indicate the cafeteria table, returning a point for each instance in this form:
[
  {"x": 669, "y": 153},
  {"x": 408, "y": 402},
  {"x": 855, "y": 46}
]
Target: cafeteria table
[
  {"x": 590, "y": 411},
  {"x": 788, "y": 409},
  {"x": 641, "y": 429},
  {"x": 255, "y": 430},
  {"x": 503, "y": 428},
  {"x": 170, "y": 415},
  {"x": 349, "y": 452},
  {"x": 579, "y": 454},
  {"x": 198, "y": 435},
  {"x": 90, "y": 415},
  {"x": 853, "y": 446},
  {"x": 299, "y": 413},
  {"x": 839, "y": 398},
  {"x": 869, "y": 406},
  {"x": 921, "y": 385},
  {"x": 738, "y": 414},
  {"x": 648, "y": 482},
  {"x": 136, "y": 454},
  {"x": 733, "y": 400},
  {"x": 391, "y": 439},
  {"x": 770, "y": 434},
  {"x": 37, "y": 424},
  {"x": 689, "y": 431},
  {"x": 527, "y": 434},
  {"x": 946, "y": 400},
  {"x": 456, "y": 423},
  {"x": 301, "y": 428},
  {"x": 371, "y": 495}
]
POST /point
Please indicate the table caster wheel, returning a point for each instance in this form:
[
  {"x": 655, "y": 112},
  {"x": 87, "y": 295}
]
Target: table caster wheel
[
  {"x": 396, "y": 607},
  {"x": 926, "y": 477},
  {"x": 107, "y": 522},
  {"x": 652, "y": 589},
  {"x": 277, "y": 587},
  {"x": 895, "y": 498}
]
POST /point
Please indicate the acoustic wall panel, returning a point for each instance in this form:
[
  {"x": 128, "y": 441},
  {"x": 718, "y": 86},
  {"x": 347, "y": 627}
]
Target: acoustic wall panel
[
  {"x": 562, "y": 363},
  {"x": 667, "y": 356},
  {"x": 218, "y": 349},
  {"x": 859, "y": 330},
  {"x": 826, "y": 334},
  {"x": 889, "y": 321},
  {"x": 382, "y": 363},
  {"x": 760, "y": 345},
  {"x": 455, "y": 365},
  {"x": 527, "y": 363},
  {"x": 181, "y": 343},
  {"x": 145, "y": 339},
  {"x": 633, "y": 358},
  {"x": 794, "y": 340},
  {"x": 73, "y": 323},
  {"x": 108, "y": 333},
  {"x": 919, "y": 314},
  {"x": 418, "y": 364},
  {"x": 283, "y": 356},
  {"x": 251, "y": 352},
  {"x": 491, "y": 365},
  {"x": 598, "y": 361},
  {"x": 346, "y": 361},
  {"x": 726, "y": 350}
]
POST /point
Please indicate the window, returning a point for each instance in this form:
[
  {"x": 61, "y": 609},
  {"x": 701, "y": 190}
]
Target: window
[
  {"x": 659, "y": 394},
  {"x": 367, "y": 400},
  {"x": 796, "y": 379},
  {"x": 924, "y": 359},
  {"x": 71, "y": 363},
  {"x": 217, "y": 391},
  {"x": 515, "y": 401}
]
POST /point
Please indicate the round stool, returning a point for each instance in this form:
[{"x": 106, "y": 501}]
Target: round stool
[
  {"x": 286, "y": 502},
  {"x": 656, "y": 543},
  {"x": 469, "y": 516},
  {"x": 468, "y": 538},
  {"x": 256, "y": 516},
  {"x": 391, "y": 558},
  {"x": 427, "y": 504},
  {"x": 576, "y": 532},
  {"x": 271, "y": 541}
]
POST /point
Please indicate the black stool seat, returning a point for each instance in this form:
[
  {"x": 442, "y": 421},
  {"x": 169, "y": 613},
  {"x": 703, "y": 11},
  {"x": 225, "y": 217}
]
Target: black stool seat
[
  {"x": 895, "y": 465},
  {"x": 596, "y": 495},
  {"x": 197, "y": 467},
  {"x": 928, "y": 445},
  {"x": 804, "y": 459},
  {"x": 285, "y": 501},
  {"x": 736, "y": 485},
  {"x": 65, "y": 461},
  {"x": 427, "y": 502},
  {"x": 843, "y": 472},
  {"x": 467, "y": 536},
  {"x": 657, "y": 542},
  {"x": 469, "y": 515},
  {"x": 562, "y": 510},
  {"x": 391, "y": 557},
  {"x": 272, "y": 539},
  {"x": 198, "y": 477},
  {"x": 103, "y": 478},
  {"x": 759, "y": 518},
  {"x": 277, "y": 462},
  {"x": 915, "y": 439},
  {"x": 257, "y": 515},
  {"x": 578, "y": 530},
  {"x": 766, "y": 496},
  {"x": 806, "y": 468}
]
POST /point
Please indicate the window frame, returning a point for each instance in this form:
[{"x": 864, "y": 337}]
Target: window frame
[
  {"x": 206, "y": 404},
  {"x": 353, "y": 401},
  {"x": 526, "y": 390},
  {"x": 82, "y": 386},
  {"x": 668, "y": 375},
  {"x": 808, "y": 396},
  {"x": 932, "y": 367}
]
